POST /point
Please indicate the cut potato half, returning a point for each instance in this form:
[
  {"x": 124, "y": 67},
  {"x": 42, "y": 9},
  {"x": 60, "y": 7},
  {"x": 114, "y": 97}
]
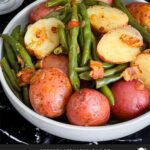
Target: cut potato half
[
  {"x": 143, "y": 61},
  {"x": 104, "y": 19},
  {"x": 42, "y": 38},
  {"x": 120, "y": 45}
]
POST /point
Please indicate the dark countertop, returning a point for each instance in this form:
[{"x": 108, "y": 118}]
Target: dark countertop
[{"x": 14, "y": 129}]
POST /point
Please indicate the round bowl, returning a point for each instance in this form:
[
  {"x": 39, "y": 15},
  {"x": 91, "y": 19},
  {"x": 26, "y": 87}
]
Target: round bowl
[{"x": 72, "y": 132}]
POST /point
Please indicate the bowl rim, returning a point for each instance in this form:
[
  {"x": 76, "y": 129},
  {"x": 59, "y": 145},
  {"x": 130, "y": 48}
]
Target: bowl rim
[{"x": 31, "y": 112}]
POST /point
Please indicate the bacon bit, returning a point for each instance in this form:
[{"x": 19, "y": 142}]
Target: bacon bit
[
  {"x": 54, "y": 29},
  {"x": 73, "y": 23},
  {"x": 131, "y": 41},
  {"x": 24, "y": 76},
  {"x": 139, "y": 85},
  {"x": 20, "y": 60},
  {"x": 131, "y": 73},
  {"x": 97, "y": 71},
  {"x": 38, "y": 75}
]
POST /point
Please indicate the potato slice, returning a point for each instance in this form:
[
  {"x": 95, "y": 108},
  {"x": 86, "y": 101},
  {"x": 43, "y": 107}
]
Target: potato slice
[
  {"x": 143, "y": 61},
  {"x": 41, "y": 37},
  {"x": 120, "y": 45},
  {"x": 104, "y": 19}
]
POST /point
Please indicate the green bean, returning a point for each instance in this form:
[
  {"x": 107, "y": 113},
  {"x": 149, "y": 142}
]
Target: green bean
[
  {"x": 94, "y": 2},
  {"x": 85, "y": 76},
  {"x": 82, "y": 69},
  {"x": 9, "y": 74},
  {"x": 62, "y": 38},
  {"x": 119, "y": 4},
  {"x": 25, "y": 94},
  {"x": 14, "y": 75},
  {"x": 52, "y": 3},
  {"x": 114, "y": 70},
  {"x": 11, "y": 41},
  {"x": 67, "y": 18},
  {"x": 105, "y": 81},
  {"x": 108, "y": 93},
  {"x": 16, "y": 31},
  {"x": 58, "y": 50},
  {"x": 90, "y": 2},
  {"x": 107, "y": 65},
  {"x": 86, "y": 73},
  {"x": 11, "y": 57},
  {"x": 25, "y": 56},
  {"x": 55, "y": 14},
  {"x": 21, "y": 39},
  {"x": 11, "y": 86},
  {"x": 102, "y": 3},
  {"x": 66, "y": 12},
  {"x": 94, "y": 47},
  {"x": 73, "y": 46},
  {"x": 87, "y": 35}
]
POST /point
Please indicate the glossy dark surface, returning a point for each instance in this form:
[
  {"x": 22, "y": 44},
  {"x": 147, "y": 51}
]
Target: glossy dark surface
[{"x": 14, "y": 129}]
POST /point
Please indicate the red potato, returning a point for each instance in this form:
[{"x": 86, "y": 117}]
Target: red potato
[
  {"x": 49, "y": 92},
  {"x": 88, "y": 107},
  {"x": 131, "y": 99},
  {"x": 56, "y": 61},
  {"x": 141, "y": 12},
  {"x": 40, "y": 11},
  {"x": 107, "y": 1}
]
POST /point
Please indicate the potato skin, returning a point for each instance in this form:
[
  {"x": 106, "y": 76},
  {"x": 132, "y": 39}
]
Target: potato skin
[
  {"x": 56, "y": 61},
  {"x": 130, "y": 99},
  {"x": 88, "y": 107},
  {"x": 49, "y": 92},
  {"x": 40, "y": 11},
  {"x": 141, "y": 12}
]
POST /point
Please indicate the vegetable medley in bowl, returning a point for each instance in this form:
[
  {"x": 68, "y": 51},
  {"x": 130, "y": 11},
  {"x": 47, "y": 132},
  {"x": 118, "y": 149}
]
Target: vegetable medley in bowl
[{"x": 86, "y": 60}]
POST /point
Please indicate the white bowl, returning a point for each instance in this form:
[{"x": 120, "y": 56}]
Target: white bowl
[
  {"x": 7, "y": 6},
  {"x": 72, "y": 132}
]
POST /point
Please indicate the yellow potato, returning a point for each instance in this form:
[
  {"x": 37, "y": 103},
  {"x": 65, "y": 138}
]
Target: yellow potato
[
  {"x": 120, "y": 45},
  {"x": 41, "y": 37},
  {"x": 104, "y": 19},
  {"x": 143, "y": 61}
]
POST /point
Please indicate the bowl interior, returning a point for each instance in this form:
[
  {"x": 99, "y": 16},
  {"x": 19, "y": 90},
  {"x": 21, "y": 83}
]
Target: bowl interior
[{"x": 22, "y": 19}]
